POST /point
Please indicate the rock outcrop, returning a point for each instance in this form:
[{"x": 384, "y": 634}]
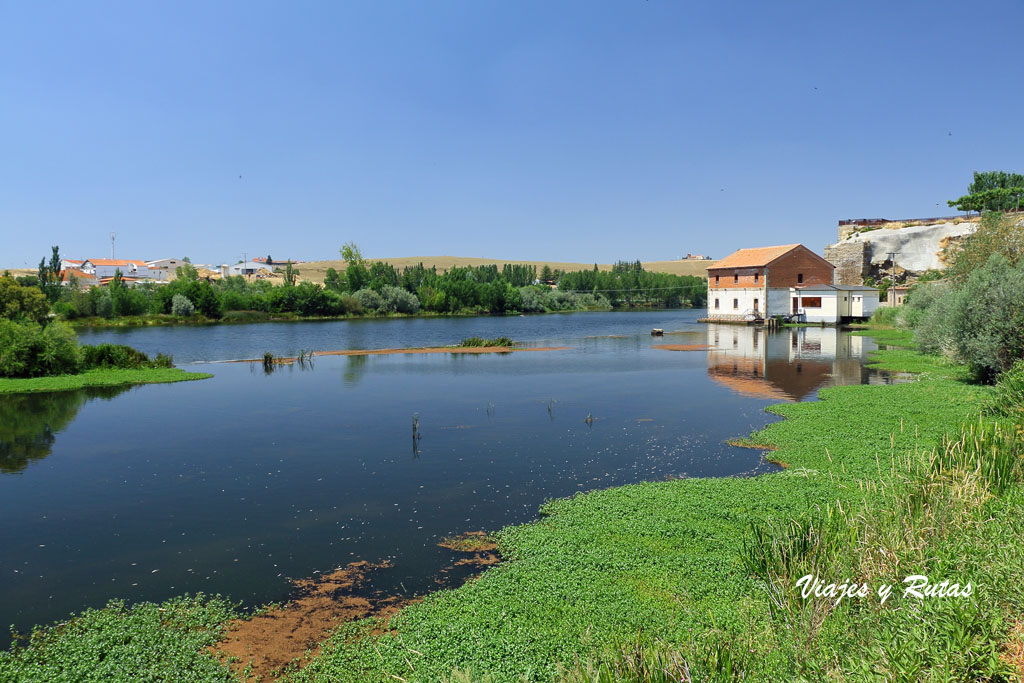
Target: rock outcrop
[{"x": 868, "y": 253}]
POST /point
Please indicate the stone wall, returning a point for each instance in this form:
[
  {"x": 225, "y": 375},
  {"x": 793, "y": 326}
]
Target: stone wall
[{"x": 850, "y": 260}]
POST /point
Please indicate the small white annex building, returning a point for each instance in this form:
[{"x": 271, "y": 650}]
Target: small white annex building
[
  {"x": 832, "y": 304},
  {"x": 245, "y": 268}
]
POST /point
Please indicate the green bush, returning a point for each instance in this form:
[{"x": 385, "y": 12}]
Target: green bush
[
  {"x": 120, "y": 356},
  {"x": 23, "y": 303},
  {"x": 885, "y": 315},
  {"x": 478, "y": 342},
  {"x": 181, "y": 305},
  {"x": 978, "y": 322},
  {"x": 30, "y": 350},
  {"x": 398, "y": 300},
  {"x": 1008, "y": 399},
  {"x": 369, "y": 299}
]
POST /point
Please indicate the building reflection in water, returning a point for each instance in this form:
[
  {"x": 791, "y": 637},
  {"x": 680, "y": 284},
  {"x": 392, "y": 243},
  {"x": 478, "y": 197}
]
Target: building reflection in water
[{"x": 790, "y": 364}]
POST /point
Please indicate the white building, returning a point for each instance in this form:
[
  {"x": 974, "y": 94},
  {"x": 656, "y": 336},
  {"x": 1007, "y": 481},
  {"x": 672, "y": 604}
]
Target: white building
[
  {"x": 245, "y": 268},
  {"x": 165, "y": 265},
  {"x": 129, "y": 268},
  {"x": 833, "y": 304}
]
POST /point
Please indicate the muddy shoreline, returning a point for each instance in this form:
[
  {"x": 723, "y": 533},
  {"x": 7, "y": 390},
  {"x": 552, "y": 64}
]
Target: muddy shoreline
[{"x": 281, "y": 638}]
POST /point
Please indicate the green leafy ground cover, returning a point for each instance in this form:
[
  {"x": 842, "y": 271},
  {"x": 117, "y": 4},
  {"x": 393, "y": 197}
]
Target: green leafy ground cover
[
  {"x": 98, "y": 378},
  {"x": 693, "y": 579},
  {"x": 147, "y": 642}
]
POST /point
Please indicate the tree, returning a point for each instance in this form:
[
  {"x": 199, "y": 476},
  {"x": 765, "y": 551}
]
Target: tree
[
  {"x": 290, "y": 274},
  {"x": 992, "y": 191},
  {"x": 998, "y": 233},
  {"x": 49, "y": 275},
  {"x": 186, "y": 272},
  {"x": 18, "y": 302},
  {"x": 351, "y": 254},
  {"x": 187, "y": 260}
]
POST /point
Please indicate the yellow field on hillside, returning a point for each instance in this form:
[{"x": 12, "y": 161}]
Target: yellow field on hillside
[{"x": 316, "y": 270}]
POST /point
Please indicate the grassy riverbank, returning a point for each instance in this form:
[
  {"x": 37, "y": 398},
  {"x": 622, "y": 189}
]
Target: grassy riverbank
[
  {"x": 105, "y": 377},
  {"x": 697, "y": 576}
]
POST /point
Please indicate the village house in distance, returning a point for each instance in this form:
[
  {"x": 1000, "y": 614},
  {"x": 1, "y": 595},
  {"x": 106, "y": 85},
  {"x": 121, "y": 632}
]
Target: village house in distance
[{"x": 790, "y": 280}]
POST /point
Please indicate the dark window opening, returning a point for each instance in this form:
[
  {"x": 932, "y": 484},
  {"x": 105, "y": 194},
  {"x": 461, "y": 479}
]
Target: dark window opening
[
  {"x": 735, "y": 279},
  {"x": 755, "y": 278},
  {"x": 716, "y": 304},
  {"x": 799, "y": 278},
  {"x": 812, "y": 302},
  {"x": 735, "y": 304}
]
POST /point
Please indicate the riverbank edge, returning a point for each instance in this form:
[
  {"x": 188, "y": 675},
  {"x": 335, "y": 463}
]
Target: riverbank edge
[
  {"x": 98, "y": 378},
  {"x": 166, "y": 320},
  {"x": 440, "y": 626}
]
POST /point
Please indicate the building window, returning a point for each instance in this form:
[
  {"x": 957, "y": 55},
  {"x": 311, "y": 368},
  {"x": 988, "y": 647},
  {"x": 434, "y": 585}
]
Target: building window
[
  {"x": 716, "y": 304},
  {"x": 736, "y": 279},
  {"x": 812, "y": 302},
  {"x": 755, "y": 278},
  {"x": 799, "y": 278},
  {"x": 716, "y": 280},
  {"x": 735, "y": 304}
]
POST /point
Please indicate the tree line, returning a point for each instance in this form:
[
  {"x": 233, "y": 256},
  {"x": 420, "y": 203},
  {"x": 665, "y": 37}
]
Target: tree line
[{"x": 373, "y": 288}]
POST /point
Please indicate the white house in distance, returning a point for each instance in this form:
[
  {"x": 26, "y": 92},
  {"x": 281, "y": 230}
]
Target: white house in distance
[
  {"x": 129, "y": 268},
  {"x": 787, "y": 280},
  {"x": 245, "y": 268},
  {"x": 166, "y": 265}
]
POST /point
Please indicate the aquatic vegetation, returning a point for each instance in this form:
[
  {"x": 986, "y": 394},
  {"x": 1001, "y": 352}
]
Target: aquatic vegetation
[
  {"x": 120, "y": 643},
  {"x": 99, "y": 378},
  {"x": 477, "y": 342}
]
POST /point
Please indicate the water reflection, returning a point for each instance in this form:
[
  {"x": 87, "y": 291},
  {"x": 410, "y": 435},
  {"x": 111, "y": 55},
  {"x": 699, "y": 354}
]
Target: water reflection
[
  {"x": 29, "y": 423},
  {"x": 790, "y": 364}
]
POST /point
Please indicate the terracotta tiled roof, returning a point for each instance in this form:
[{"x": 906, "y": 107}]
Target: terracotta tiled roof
[
  {"x": 81, "y": 275},
  {"x": 114, "y": 262},
  {"x": 749, "y": 258}
]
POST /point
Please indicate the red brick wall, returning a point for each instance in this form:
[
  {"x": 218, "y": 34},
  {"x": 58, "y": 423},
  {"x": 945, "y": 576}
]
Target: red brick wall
[
  {"x": 725, "y": 275},
  {"x": 783, "y": 272}
]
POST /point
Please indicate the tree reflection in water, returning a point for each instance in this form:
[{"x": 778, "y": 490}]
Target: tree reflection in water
[{"x": 29, "y": 423}]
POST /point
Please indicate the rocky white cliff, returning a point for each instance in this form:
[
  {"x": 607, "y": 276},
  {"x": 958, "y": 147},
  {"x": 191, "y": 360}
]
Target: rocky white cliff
[{"x": 867, "y": 253}]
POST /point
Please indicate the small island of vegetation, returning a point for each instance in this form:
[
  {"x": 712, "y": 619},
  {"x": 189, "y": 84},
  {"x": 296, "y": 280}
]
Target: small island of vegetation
[{"x": 40, "y": 353}]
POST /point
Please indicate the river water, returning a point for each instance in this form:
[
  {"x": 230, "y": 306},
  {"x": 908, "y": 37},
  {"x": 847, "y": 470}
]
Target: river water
[{"x": 238, "y": 483}]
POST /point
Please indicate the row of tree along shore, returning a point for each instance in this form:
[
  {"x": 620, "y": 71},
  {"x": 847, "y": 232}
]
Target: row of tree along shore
[{"x": 367, "y": 288}]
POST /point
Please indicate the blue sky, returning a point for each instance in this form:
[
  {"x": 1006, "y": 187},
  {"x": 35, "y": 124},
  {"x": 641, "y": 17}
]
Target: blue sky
[{"x": 576, "y": 131}]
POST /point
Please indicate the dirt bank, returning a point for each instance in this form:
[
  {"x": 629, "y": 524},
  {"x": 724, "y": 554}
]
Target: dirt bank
[{"x": 681, "y": 347}]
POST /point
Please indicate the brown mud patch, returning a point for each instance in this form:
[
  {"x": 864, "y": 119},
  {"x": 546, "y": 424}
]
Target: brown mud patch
[
  {"x": 281, "y": 636},
  {"x": 482, "y": 550},
  {"x": 285, "y": 638},
  {"x": 1013, "y": 649},
  {"x": 426, "y": 349},
  {"x": 681, "y": 347},
  {"x": 746, "y": 443}
]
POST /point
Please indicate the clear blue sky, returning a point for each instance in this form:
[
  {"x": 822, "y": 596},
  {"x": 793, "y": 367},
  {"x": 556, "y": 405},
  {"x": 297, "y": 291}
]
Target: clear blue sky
[{"x": 577, "y": 131}]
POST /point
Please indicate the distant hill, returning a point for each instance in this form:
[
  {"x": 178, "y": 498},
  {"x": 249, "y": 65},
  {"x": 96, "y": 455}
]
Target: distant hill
[{"x": 316, "y": 270}]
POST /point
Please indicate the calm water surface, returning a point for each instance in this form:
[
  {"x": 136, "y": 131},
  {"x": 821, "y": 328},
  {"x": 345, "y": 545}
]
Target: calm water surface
[{"x": 237, "y": 483}]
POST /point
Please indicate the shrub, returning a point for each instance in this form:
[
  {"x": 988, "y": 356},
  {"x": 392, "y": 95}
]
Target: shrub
[
  {"x": 398, "y": 300},
  {"x": 477, "y": 342},
  {"x": 369, "y": 299},
  {"x": 19, "y": 302},
  {"x": 351, "y": 305},
  {"x": 29, "y": 350},
  {"x": 181, "y": 305},
  {"x": 1008, "y": 399},
  {"x": 885, "y": 315},
  {"x": 120, "y": 356}
]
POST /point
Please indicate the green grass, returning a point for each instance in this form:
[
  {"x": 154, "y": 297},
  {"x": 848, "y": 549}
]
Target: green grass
[
  {"x": 889, "y": 336},
  {"x": 147, "y": 642},
  {"x": 98, "y": 378}
]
